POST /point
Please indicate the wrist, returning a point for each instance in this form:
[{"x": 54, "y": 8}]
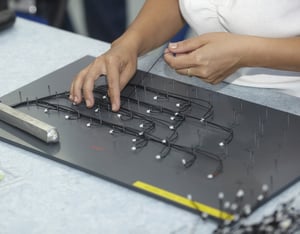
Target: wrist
[
  {"x": 247, "y": 51},
  {"x": 258, "y": 52},
  {"x": 132, "y": 41}
]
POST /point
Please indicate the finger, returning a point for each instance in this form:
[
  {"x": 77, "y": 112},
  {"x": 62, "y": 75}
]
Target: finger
[
  {"x": 88, "y": 87},
  {"x": 186, "y": 71},
  {"x": 166, "y": 50},
  {"x": 91, "y": 76},
  {"x": 113, "y": 79},
  {"x": 187, "y": 45},
  {"x": 125, "y": 77},
  {"x": 180, "y": 61},
  {"x": 76, "y": 86},
  {"x": 71, "y": 95},
  {"x": 127, "y": 73}
]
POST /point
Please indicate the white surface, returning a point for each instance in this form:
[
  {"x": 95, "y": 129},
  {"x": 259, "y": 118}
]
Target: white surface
[{"x": 38, "y": 195}]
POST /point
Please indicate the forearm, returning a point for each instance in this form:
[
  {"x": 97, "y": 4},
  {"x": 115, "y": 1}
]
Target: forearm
[
  {"x": 283, "y": 53},
  {"x": 156, "y": 23}
]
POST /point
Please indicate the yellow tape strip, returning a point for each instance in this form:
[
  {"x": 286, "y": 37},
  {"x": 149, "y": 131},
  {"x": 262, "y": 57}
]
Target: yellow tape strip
[{"x": 183, "y": 201}]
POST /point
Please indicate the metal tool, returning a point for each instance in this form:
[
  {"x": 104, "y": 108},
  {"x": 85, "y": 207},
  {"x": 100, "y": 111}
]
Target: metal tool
[{"x": 29, "y": 124}]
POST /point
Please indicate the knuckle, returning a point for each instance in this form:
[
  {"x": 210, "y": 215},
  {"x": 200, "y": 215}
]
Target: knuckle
[
  {"x": 198, "y": 58},
  {"x": 87, "y": 88},
  {"x": 210, "y": 81},
  {"x": 98, "y": 60},
  {"x": 204, "y": 72},
  {"x": 77, "y": 79},
  {"x": 172, "y": 64},
  {"x": 81, "y": 74},
  {"x": 202, "y": 60},
  {"x": 110, "y": 59}
]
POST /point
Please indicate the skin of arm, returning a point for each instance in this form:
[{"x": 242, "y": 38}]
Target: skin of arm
[
  {"x": 214, "y": 56},
  {"x": 156, "y": 23}
]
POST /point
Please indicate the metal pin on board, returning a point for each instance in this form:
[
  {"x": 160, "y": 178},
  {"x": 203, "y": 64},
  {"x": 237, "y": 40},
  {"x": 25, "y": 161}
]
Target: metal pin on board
[
  {"x": 251, "y": 156},
  {"x": 210, "y": 97},
  {"x": 145, "y": 91},
  {"x": 271, "y": 182},
  {"x": 255, "y": 139},
  {"x": 241, "y": 106},
  {"x": 29, "y": 124},
  {"x": 276, "y": 164},
  {"x": 239, "y": 197},
  {"x": 150, "y": 76},
  {"x": 260, "y": 126},
  {"x": 135, "y": 92},
  {"x": 267, "y": 113},
  {"x": 221, "y": 205},
  {"x": 187, "y": 92},
  {"x": 128, "y": 104},
  {"x": 235, "y": 117},
  {"x": 20, "y": 96},
  {"x": 138, "y": 104},
  {"x": 100, "y": 117},
  {"x": 247, "y": 210},
  {"x": 240, "y": 194},
  {"x": 260, "y": 197},
  {"x": 226, "y": 205},
  {"x": 265, "y": 189}
]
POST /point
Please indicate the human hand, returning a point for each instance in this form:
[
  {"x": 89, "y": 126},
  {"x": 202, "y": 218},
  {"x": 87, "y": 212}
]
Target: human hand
[
  {"x": 212, "y": 56},
  {"x": 118, "y": 64}
]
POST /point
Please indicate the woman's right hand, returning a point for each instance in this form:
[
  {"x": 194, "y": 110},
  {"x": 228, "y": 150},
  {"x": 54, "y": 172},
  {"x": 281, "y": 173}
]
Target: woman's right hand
[{"x": 118, "y": 64}]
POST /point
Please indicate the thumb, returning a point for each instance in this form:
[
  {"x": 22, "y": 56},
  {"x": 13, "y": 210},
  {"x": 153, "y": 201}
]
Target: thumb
[{"x": 186, "y": 46}]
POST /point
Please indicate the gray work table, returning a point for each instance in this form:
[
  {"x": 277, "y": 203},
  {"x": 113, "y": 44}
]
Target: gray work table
[{"x": 42, "y": 196}]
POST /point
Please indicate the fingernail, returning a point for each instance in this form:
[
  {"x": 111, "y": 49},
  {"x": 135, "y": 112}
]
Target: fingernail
[
  {"x": 173, "y": 45},
  {"x": 71, "y": 97},
  {"x": 88, "y": 103},
  {"x": 75, "y": 99},
  {"x": 114, "y": 107}
]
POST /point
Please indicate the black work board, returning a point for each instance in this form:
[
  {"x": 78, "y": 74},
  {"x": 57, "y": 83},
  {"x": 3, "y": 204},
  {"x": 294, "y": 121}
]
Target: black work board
[{"x": 183, "y": 144}]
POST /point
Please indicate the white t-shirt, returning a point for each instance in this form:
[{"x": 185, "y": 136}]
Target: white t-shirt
[{"x": 266, "y": 18}]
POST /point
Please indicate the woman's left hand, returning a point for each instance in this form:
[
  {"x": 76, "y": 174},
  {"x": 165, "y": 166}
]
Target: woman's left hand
[{"x": 211, "y": 57}]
